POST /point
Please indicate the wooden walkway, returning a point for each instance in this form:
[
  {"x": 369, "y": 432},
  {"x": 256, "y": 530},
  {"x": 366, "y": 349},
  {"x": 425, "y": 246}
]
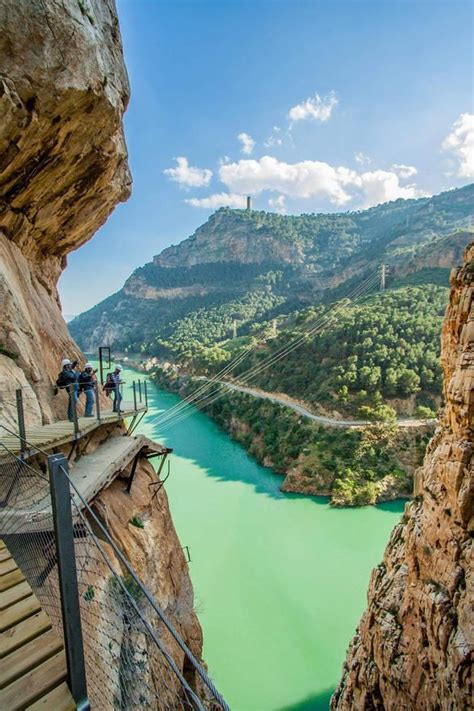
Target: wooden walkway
[
  {"x": 58, "y": 433},
  {"x": 33, "y": 663},
  {"x": 89, "y": 474}
]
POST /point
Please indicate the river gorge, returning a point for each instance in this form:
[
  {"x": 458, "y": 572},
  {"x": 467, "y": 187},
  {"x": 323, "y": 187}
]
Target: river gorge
[{"x": 280, "y": 579}]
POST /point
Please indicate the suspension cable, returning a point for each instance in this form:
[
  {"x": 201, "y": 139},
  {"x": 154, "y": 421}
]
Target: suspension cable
[{"x": 365, "y": 285}]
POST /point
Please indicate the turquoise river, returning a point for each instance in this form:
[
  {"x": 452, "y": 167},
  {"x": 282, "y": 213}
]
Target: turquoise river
[{"x": 280, "y": 580}]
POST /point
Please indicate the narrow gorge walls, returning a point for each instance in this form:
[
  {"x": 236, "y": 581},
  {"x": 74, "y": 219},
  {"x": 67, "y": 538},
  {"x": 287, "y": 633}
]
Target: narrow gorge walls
[{"x": 414, "y": 645}]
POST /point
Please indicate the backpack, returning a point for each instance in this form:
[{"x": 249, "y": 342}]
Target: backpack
[
  {"x": 62, "y": 380},
  {"x": 109, "y": 384}
]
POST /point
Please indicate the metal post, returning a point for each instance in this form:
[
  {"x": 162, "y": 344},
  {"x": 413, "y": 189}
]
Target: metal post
[
  {"x": 102, "y": 350},
  {"x": 97, "y": 401},
  {"x": 132, "y": 472},
  {"x": 21, "y": 419},
  {"x": 67, "y": 574},
  {"x": 146, "y": 393},
  {"x": 73, "y": 399},
  {"x": 135, "y": 396},
  {"x": 140, "y": 390}
]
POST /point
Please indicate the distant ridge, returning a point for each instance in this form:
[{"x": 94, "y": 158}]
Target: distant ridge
[{"x": 247, "y": 266}]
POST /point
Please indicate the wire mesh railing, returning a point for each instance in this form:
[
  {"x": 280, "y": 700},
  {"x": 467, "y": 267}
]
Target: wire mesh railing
[{"x": 134, "y": 655}]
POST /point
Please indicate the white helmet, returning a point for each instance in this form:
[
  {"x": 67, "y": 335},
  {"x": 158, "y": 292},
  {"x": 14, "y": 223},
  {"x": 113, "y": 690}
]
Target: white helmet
[
  {"x": 65, "y": 361},
  {"x": 118, "y": 367},
  {"x": 88, "y": 365}
]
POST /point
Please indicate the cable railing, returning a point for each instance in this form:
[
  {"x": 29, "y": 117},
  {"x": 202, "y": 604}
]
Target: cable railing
[
  {"x": 21, "y": 408},
  {"x": 123, "y": 651}
]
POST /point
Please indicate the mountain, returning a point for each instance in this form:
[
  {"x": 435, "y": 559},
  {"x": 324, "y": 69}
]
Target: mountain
[{"x": 248, "y": 266}]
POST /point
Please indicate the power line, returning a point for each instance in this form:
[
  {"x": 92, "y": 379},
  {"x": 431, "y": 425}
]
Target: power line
[
  {"x": 361, "y": 291},
  {"x": 169, "y": 415}
]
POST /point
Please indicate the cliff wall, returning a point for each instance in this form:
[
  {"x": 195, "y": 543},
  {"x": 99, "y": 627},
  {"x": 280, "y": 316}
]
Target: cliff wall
[
  {"x": 413, "y": 648},
  {"x": 63, "y": 169}
]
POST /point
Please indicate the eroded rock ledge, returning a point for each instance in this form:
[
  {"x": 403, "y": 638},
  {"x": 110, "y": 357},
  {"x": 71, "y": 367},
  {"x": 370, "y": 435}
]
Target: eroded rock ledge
[
  {"x": 63, "y": 167},
  {"x": 413, "y": 648}
]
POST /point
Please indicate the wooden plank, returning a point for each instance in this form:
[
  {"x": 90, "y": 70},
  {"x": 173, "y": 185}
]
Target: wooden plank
[
  {"x": 37, "y": 682},
  {"x": 4, "y": 554},
  {"x": 7, "y": 566},
  {"x": 59, "y": 699},
  {"x": 11, "y": 579},
  {"x": 28, "y": 656},
  {"x": 95, "y": 471},
  {"x": 18, "y": 612},
  {"x": 23, "y": 632},
  {"x": 61, "y": 432},
  {"x": 14, "y": 594}
]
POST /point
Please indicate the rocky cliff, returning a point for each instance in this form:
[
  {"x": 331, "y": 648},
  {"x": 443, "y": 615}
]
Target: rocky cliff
[
  {"x": 413, "y": 648},
  {"x": 63, "y": 168}
]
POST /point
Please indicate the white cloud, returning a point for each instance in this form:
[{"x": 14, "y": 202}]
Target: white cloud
[
  {"x": 404, "y": 171},
  {"x": 382, "y": 186},
  {"x": 187, "y": 175},
  {"x": 277, "y": 204},
  {"x": 275, "y": 138},
  {"x": 248, "y": 143},
  {"x": 460, "y": 142},
  {"x": 309, "y": 179},
  {"x": 318, "y": 108},
  {"x": 361, "y": 158},
  {"x": 301, "y": 180},
  {"x": 213, "y": 202}
]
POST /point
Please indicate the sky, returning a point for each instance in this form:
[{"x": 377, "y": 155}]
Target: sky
[{"x": 307, "y": 106}]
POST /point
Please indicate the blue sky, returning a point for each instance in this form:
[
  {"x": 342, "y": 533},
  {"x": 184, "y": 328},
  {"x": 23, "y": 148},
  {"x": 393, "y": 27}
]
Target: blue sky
[{"x": 343, "y": 104}]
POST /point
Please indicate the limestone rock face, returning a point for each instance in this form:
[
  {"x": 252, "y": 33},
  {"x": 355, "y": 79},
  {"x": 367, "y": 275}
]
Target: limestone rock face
[
  {"x": 413, "y": 648},
  {"x": 63, "y": 168},
  {"x": 63, "y": 164}
]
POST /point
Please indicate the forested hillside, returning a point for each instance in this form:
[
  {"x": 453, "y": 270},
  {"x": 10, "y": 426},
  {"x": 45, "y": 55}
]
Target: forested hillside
[
  {"x": 243, "y": 268},
  {"x": 383, "y": 349}
]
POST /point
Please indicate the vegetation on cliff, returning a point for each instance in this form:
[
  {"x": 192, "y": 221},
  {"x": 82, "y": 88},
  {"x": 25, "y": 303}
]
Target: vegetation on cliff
[
  {"x": 353, "y": 466},
  {"x": 249, "y": 267},
  {"x": 384, "y": 349}
]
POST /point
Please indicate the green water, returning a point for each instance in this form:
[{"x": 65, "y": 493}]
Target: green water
[{"x": 280, "y": 580}]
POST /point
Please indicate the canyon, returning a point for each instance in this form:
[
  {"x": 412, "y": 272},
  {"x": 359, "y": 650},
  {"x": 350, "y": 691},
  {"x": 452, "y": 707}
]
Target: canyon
[{"x": 63, "y": 169}]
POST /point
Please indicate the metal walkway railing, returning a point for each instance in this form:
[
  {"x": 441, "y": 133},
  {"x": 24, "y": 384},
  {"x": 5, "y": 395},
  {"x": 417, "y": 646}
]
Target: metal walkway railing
[
  {"x": 27, "y": 428},
  {"x": 131, "y": 655}
]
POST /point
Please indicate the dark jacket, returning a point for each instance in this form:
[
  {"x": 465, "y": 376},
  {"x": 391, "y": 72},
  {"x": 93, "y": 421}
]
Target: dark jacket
[
  {"x": 66, "y": 377},
  {"x": 86, "y": 381}
]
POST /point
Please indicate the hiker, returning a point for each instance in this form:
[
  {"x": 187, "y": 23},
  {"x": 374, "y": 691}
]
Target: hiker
[
  {"x": 112, "y": 384},
  {"x": 87, "y": 385},
  {"x": 76, "y": 372},
  {"x": 67, "y": 379}
]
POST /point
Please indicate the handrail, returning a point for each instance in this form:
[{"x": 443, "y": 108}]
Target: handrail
[
  {"x": 91, "y": 529},
  {"x": 94, "y": 410}
]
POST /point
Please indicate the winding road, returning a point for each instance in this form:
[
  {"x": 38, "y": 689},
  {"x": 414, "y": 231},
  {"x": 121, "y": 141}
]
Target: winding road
[{"x": 329, "y": 421}]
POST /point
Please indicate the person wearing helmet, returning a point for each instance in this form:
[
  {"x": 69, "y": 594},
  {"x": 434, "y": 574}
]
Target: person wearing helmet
[
  {"x": 87, "y": 385},
  {"x": 67, "y": 379},
  {"x": 116, "y": 378}
]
